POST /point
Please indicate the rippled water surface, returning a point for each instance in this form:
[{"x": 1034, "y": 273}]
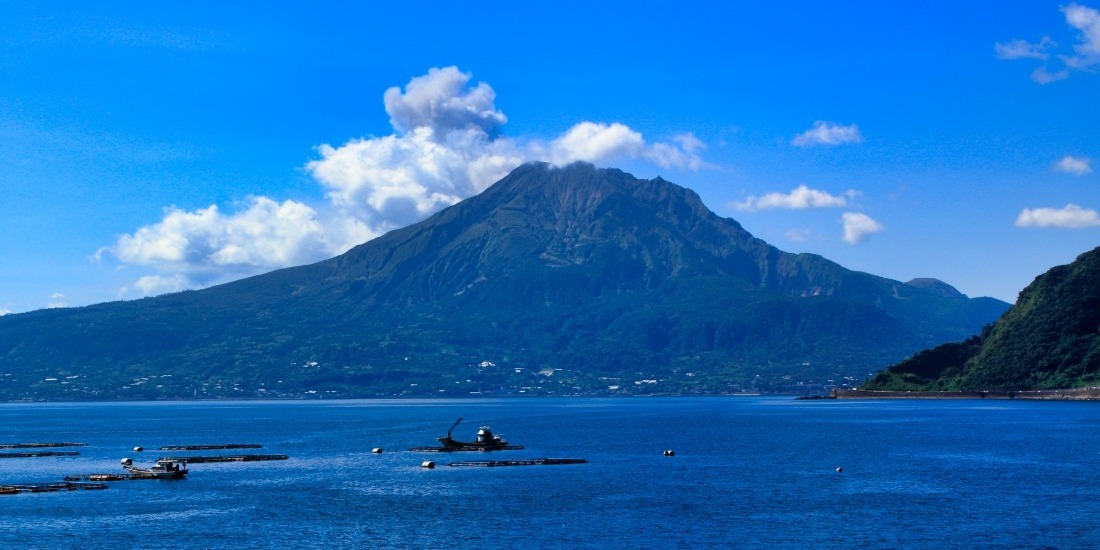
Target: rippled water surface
[{"x": 748, "y": 473}]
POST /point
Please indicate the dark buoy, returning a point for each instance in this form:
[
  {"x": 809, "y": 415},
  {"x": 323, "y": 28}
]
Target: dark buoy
[
  {"x": 376, "y": 450},
  {"x": 670, "y": 452},
  {"x": 428, "y": 464}
]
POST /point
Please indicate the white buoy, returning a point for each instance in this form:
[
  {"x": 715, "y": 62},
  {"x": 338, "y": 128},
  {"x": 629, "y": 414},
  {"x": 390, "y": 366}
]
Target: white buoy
[
  {"x": 427, "y": 464},
  {"x": 139, "y": 449},
  {"x": 127, "y": 462},
  {"x": 670, "y": 452},
  {"x": 839, "y": 469},
  {"x": 376, "y": 450}
]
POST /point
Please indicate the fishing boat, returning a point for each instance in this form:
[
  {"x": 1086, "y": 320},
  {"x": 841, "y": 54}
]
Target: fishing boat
[
  {"x": 164, "y": 469},
  {"x": 486, "y": 441}
]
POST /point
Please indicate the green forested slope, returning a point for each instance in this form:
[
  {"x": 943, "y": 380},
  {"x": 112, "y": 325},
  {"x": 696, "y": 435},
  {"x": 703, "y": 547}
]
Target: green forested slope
[
  {"x": 1049, "y": 339},
  {"x": 554, "y": 280}
]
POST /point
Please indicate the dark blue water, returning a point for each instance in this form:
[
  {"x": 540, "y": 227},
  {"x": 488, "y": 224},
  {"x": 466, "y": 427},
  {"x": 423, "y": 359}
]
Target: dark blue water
[{"x": 748, "y": 473}]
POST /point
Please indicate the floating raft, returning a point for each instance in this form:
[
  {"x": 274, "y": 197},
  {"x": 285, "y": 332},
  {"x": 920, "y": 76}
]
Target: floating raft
[
  {"x": 38, "y": 445},
  {"x": 211, "y": 447},
  {"x": 522, "y": 462},
  {"x": 39, "y": 454},
  {"x": 48, "y": 487},
  {"x": 222, "y": 458},
  {"x": 99, "y": 478},
  {"x": 465, "y": 448}
]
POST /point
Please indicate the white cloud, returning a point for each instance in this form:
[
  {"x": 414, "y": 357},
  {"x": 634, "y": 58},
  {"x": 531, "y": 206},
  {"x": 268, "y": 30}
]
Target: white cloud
[
  {"x": 446, "y": 146},
  {"x": 1070, "y": 217},
  {"x": 590, "y": 142},
  {"x": 597, "y": 143},
  {"x": 797, "y": 235},
  {"x": 800, "y": 198},
  {"x": 682, "y": 153},
  {"x": 151, "y": 285},
  {"x": 1074, "y": 165},
  {"x": 205, "y": 245},
  {"x": 689, "y": 143},
  {"x": 858, "y": 227},
  {"x": 393, "y": 181},
  {"x": 1022, "y": 49},
  {"x": 1086, "y": 51},
  {"x": 1044, "y": 76},
  {"x": 446, "y": 149},
  {"x": 828, "y": 133},
  {"x": 57, "y": 300},
  {"x": 443, "y": 101},
  {"x": 5, "y": 310}
]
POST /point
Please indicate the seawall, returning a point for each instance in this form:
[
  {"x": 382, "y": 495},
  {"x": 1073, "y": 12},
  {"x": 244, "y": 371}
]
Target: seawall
[{"x": 1070, "y": 394}]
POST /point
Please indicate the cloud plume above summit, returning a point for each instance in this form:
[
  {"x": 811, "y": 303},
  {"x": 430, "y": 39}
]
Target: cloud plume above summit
[
  {"x": 443, "y": 100},
  {"x": 447, "y": 144}
]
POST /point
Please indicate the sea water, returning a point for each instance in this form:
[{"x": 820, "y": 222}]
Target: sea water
[{"x": 747, "y": 472}]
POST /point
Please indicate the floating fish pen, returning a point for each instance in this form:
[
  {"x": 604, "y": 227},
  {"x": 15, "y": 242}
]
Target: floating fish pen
[
  {"x": 520, "y": 462},
  {"x": 49, "y": 487},
  {"x": 465, "y": 448},
  {"x": 223, "y": 458},
  {"x": 99, "y": 478},
  {"x": 223, "y": 447},
  {"x": 39, "y": 445},
  {"x": 39, "y": 454}
]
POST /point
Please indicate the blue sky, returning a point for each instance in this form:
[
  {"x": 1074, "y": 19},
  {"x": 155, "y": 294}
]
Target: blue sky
[{"x": 150, "y": 148}]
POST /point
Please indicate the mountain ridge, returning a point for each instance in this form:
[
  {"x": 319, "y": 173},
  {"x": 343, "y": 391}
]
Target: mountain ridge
[
  {"x": 1050, "y": 339},
  {"x": 584, "y": 270}
]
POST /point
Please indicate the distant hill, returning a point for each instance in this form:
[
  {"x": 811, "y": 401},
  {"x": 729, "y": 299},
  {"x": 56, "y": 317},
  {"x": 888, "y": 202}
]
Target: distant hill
[
  {"x": 571, "y": 280},
  {"x": 1049, "y": 340}
]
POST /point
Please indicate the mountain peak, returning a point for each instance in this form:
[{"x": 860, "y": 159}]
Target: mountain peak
[
  {"x": 937, "y": 287},
  {"x": 589, "y": 270}
]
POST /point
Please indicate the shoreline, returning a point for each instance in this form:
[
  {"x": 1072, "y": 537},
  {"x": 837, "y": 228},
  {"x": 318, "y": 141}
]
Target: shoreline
[{"x": 1068, "y": 394}]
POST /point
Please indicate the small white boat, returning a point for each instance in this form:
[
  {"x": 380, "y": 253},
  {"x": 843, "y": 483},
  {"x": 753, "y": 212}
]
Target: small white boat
[{"x": 164, "y": 469}]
